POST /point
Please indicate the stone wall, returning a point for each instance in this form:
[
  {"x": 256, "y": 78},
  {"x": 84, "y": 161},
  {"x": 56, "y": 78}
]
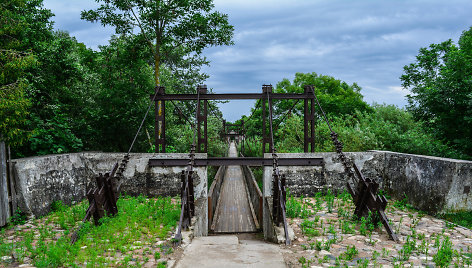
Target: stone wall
[
  {"x": 44, "y": 179},
  {"x": 431, "y": 184}
]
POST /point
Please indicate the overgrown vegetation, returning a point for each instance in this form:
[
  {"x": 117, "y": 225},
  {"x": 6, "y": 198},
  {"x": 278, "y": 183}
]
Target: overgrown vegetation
[
  {"x": 462, "y": 218},
  {"x": 321, "y": 231},
  {"x": 131, "y": 238},
  {"x": 58, "y": 96}
]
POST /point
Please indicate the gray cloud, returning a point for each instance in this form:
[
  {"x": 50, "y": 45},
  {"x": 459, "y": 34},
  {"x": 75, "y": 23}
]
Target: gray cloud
[{"x": 366, "y": 41}]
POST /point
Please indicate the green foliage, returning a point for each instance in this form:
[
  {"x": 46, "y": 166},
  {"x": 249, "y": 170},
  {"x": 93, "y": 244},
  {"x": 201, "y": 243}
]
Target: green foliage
[
  {"x": 149, "y": 218},
  {"x": 329, "y": 200},
  {"x": 445, "y": 253},
  {"x": 172, "y": 31},
  {"x": 441, "y": 90},
  {"x": 13, "y": 113},
  {"x": 407, "y": 248},
  {"x": 19, "y": 217},
  {"x": 350, "y": 253},
  {"x": 462, "y": 218},
  {"x": 386, "y": 128},
  {"x": 23, "y": 23},
  {"x": 296, "y": 208},
  {"x": 335, "y": 96}
]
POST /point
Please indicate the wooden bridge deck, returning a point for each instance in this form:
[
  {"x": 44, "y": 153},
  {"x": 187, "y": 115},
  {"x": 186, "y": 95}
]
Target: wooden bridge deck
[{"x": 233, "y": 211}]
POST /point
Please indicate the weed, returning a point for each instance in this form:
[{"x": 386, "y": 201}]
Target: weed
[
  {"x": 296, "y": 208},
  {"x": 363, "y": 227},
  {"x": 400, "y": 222},
  {"x": 385, "y": 252},
  {"x": 329, "y": 201},
  {"x": 304, "y": 262},
  {"x": 364, "y": 263},
  {"x": 58, "y": 206},
  {"x": 402, "y": 204},
  {"x": 444, "y": 255},
  {"x": 308, "y": 228},
  {"x": 462, "y": 218},
  {"x": 407, "y": 249},
  {"x": 371, "y": 241},
  {"x": 350, "y": 253},
  {"x": 318, "y": 200},
  {"x": 375, "y": 255},
  {"x": 138, "y": 218},
  {"x": 331, "y": 229},
  {"x": 18, "y": 217},
  {"x": 346, "y": 227}
]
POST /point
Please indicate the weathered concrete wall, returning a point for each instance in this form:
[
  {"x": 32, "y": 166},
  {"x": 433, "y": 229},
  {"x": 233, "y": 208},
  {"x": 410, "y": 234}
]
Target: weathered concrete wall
[
  {"x": 45, "y": 179},
  {"x": 431, "y": 184}
]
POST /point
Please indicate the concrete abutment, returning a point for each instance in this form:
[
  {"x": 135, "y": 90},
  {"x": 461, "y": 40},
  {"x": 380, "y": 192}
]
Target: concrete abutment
[{"x": 431, "y": 184}]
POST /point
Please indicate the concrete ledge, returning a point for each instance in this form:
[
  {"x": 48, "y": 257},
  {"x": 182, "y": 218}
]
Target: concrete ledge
[
  {"x": 44, "y": 179},
  {"x": 432, "y": 184}
]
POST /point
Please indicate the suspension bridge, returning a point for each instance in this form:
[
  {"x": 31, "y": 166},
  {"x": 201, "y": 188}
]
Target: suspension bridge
[{"x": 235, "y": 202}]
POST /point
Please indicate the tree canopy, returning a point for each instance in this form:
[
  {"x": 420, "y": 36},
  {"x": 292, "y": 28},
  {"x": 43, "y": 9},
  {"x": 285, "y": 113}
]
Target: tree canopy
[
  {"x": 170, "y": 28},
  {"x": 440, "y": 81},
  {"x": 24, "y": 23}
]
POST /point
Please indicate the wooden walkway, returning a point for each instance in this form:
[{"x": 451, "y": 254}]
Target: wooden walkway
[{"x": 233, "y": 211}]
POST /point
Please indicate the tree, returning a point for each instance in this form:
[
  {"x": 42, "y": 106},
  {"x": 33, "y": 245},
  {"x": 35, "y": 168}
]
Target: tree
[
  {"x": 440, "y": 81},
  {"x": 23, "y": 23},
  {"x": 336, "y": 97},
  {"x": 185, "y": 27}
]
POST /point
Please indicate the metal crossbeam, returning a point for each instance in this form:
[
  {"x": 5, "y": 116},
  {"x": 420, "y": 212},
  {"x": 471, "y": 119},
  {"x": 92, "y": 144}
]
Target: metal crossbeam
[
  {"x": 233, "y": 96},
  {"x": 246, "y": 161}
]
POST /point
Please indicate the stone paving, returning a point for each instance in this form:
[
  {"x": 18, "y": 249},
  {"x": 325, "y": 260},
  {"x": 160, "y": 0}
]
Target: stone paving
[{"x": 324, "y": 239}]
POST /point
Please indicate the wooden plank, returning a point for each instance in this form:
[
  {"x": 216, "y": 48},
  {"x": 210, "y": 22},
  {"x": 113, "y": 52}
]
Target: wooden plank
[
  {"x": 233, "y": 213},
  {"x": 4, "y": 202},
  {"x": 11, "y": 181}
]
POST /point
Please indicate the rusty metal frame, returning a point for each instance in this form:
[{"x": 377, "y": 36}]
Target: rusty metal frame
[{"x": 203, "y": 95}]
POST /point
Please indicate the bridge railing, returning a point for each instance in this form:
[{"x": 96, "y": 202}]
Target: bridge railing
[
  {"x": 255, "y": 195},
  {"x": 214, "y": 195}
]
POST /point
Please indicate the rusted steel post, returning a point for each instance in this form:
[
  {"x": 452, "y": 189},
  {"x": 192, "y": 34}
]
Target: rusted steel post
[
  {"x": 202, "y": 116},
  {"x": 242, "y": 137},
  {"x": 266, "y": 89},
  {"x": 160, "y": 122},
  {"x": 309, "y": 120}
]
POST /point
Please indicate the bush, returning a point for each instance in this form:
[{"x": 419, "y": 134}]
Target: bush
[{"x": 387, "y": 128}]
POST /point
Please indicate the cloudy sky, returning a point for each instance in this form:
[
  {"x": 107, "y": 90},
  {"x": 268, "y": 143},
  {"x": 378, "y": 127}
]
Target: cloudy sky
[{"x": 362, "y": 41}]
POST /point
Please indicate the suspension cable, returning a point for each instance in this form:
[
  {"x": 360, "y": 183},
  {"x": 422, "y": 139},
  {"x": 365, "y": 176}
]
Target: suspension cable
[
  {"x": 255, "y": 107},
  {"x": 142, "y": 122},
  {"x": 322, "y": 111},
  {"x": 286, "y": 113},
  {"x": 277, "y": 176},
  {"x": 181, "y": 114},
  {"x": 348, "y": 165}
]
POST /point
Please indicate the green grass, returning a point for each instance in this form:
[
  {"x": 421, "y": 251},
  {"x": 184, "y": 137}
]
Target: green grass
[
  {"x": 140, "y": 223},
  {"x": 463, "y": 218}
]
